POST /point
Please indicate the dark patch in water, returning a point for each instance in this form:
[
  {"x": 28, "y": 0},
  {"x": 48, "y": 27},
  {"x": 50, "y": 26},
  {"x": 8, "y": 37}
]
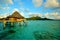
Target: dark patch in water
[
  {"x": 45, "y": 35},
  {"x": 11, "y": 31},
  {"x": 5, "y": 34}
]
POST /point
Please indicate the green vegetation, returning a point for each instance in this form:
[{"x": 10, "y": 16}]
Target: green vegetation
[{"x": 37, "y": 18}]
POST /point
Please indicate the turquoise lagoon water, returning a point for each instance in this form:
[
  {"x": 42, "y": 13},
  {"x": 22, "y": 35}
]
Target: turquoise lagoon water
[{"x": 34, "y": 30}]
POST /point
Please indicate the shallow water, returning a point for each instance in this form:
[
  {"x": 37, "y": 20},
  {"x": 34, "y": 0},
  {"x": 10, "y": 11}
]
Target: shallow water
[{"x": 49, "y": 30}]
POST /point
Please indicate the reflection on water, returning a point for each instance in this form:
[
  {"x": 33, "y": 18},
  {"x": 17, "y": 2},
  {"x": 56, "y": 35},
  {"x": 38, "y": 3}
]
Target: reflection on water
[{"x": 35, "y": 30}]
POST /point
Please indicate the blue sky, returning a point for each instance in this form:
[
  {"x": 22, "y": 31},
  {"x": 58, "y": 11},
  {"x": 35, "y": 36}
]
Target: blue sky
[{"x": 42, "y": 8}]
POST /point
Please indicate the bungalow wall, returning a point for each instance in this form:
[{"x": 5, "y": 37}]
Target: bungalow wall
[{"x": 12, "y": 19}]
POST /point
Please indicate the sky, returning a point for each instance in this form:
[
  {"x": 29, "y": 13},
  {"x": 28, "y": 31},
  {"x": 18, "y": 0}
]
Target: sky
[{"x": 27, "y": 8}]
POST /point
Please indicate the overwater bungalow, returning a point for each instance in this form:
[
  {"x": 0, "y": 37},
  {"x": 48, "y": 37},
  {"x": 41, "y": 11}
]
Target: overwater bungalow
[{"x": 15, "y": 17}]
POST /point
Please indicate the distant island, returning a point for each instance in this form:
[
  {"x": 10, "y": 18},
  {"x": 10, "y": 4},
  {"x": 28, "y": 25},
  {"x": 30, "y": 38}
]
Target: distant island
[{"x": 38, "y": 18}]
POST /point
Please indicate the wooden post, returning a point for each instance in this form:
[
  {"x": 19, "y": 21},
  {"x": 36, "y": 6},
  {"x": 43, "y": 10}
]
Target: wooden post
[{"x": 4, "y": 21}]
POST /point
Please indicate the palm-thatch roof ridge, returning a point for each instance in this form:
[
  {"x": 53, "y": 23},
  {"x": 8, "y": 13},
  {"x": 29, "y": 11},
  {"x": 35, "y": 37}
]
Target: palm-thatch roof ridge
[{"x": 15, "y": 15}]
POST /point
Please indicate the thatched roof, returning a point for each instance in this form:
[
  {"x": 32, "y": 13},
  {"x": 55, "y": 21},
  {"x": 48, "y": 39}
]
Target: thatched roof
[{"x": 15, "y": 15}]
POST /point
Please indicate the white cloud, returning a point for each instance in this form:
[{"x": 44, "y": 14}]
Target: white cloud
[
  {"x": 1, "y": 16},
  {"x": 10, "y": 1},
  {"x": 37, "y": 3},
  {"x": 4, "y": 8},
  {"x": 46, "y": 15},
  {"x": 51, "y": 3},
  {"x": 22, "y": 14},
  {"x": 35, "y": 14},
  {"x": 58, "y": 17},
  {"x": 15, "y": 10},
  {"x": 54, "y": 15},
  {"x": 4, "y": 15},
  {"x": 47, "y": 4},
  {"x": 6, "y": 1}
]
